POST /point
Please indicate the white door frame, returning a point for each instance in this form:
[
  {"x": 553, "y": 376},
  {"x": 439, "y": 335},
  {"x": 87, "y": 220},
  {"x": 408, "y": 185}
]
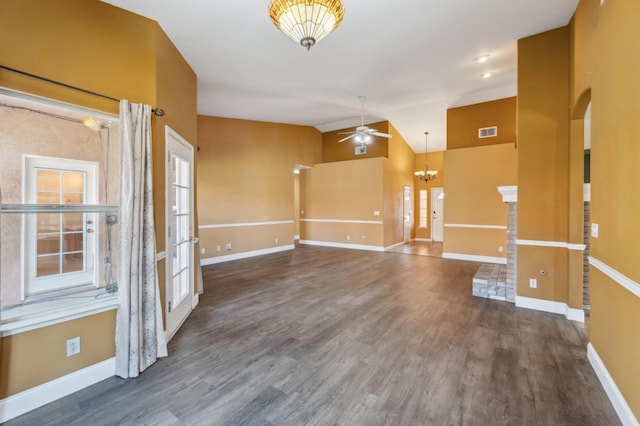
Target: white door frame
[
  {"x": 177, "y": 315},
  {"x": 437, "y": 225},
  {"x": 407, "y": 198}
]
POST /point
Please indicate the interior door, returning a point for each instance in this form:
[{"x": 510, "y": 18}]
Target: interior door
[
  {"x": 437, "y": 216},
  {"x": 179, "y": 231},
  {"x": 408, "y": 208}
]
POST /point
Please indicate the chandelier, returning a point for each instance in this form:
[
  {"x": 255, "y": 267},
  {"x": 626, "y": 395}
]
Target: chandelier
[
  {"x": 426, "y": 174},
  {"x": 306, "y": 21}
]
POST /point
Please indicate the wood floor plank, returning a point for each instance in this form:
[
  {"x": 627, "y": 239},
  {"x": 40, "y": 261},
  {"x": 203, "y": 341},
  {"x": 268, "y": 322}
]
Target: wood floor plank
[{"x": 325, "y": 336}]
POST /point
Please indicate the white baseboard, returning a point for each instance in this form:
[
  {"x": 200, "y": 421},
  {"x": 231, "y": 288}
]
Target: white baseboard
[
  {"x": 23, "y": 402},
  {"x": 475, "y": 258},
  {"x": 550, "y": 306},
  {"x": 615, "y": 396},
  {"x": 391, "y": 247},
  {"x": 341, "y": 245},
  {"x": 573, "y": 314},
  {"x": 246, "y": 254}
]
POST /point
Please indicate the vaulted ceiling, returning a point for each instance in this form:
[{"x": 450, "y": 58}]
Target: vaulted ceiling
[{"x": 412, "y": 59}]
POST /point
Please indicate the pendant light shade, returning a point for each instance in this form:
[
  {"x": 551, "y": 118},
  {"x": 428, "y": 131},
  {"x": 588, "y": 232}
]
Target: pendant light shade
[
  {"x": 426, "y": 175},
  {"x": 306, "y": 21}
]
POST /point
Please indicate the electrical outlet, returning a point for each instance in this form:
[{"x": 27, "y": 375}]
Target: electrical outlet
[
  {"x": 73, "y": 346},
  {"x": 348, "y": 237},
  {"x": 500, "y": 249},
  {"x": 594, "y": 230},
  {"x": 277, "y": 241},
  {"x": 228, "y": 246},
  {"x": 533, "y": 283},
  {"x": 364, "y": 237},
  {"x": 219, "y": 248},
  {"x": 203, "y": 250}
]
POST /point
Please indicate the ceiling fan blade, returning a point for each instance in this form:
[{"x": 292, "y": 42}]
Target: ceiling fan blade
[
  {"x": 348, "y": 137},
  {"x": 382, "y": 135}
]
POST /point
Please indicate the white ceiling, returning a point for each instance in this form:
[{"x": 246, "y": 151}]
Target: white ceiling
[{"x": 412, "y": 59}]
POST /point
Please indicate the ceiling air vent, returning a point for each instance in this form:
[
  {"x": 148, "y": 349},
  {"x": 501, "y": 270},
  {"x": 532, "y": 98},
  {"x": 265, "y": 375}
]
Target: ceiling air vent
[
  {"x": 488, "y": 132},
  {"x": 362, "y": 149}
]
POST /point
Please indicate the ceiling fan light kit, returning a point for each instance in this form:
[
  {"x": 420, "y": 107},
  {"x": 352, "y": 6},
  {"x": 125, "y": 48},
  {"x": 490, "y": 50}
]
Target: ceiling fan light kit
[
  {"x": 426, "y": 175},
  {"x": 306, "y": 21},
  {"x": 363, "y": 134}
]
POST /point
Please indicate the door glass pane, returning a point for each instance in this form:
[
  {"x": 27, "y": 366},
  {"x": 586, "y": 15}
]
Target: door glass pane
[
  {"x": 60, "y": 237},
  {"x": 183, "y": 228},
  {"x": 48, "y": 223},
  {"x": 72, "y": 198},
  {"x": 184, "y": 200},
  {"x": 48, "y": 198},
  {"x": 174, "y": 206},
  {"x": 48, "y": 180},
  {"x": 48, "y": 265},
  {"x": 48, "y": 244},
  {"x": 176, "y": 290},
  {"x": 73, "y": 182},
  {"x": 72, "y": 242},
  {"x": 72, "y": 263},
  {"x": 180, "y": 222},
  {"x": 174, "y": 229},
  {"x": 72, "y": 221}
]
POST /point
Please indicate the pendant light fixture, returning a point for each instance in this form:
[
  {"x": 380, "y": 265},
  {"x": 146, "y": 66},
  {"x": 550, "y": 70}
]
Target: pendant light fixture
[
  {"x": 306, "y": 21},
  {"x": 426, "y": 175}
]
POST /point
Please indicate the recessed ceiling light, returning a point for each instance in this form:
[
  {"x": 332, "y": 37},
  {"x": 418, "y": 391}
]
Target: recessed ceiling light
[
  {"x": 482, "y": 58},
  {"x": 487, "y": 74}
]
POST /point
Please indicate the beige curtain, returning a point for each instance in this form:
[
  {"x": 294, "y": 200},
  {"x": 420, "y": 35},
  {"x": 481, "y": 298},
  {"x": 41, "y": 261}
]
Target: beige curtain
[{"x": 140, "y": 336}]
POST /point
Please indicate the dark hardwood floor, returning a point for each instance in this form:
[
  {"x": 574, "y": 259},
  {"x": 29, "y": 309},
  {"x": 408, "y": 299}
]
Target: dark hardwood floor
[
  {"x": 419, "y": 248},
  {"x": 325, "y": 336}
]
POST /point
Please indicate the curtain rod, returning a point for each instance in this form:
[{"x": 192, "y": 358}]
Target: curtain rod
[{"x": 157, "y": 111}]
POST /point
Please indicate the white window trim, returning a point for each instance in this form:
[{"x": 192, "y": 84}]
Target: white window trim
[
  {"x": 30, "y": 162},
  {"x": 65, "y": 305},
  {"x": 420, "y": 209},
  {"x": 69, "y": 305}
]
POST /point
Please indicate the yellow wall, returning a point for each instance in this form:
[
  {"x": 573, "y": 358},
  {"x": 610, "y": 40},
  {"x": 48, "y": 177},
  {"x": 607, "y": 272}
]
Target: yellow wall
[
  {"x": 332, "y": 150},
  {"x": 101, "y": 48},
  {"x": 245, "y": 175},
  {"x": 344, "y": 192},
  {"x": 347, "y": 188},
  {"x": 472, "y": 198},
  {"x": 543, "y": 163},
  {"x": 398, "y": 173},
  {"x": 38, "y": 356},
  {"x": 463, "y": 123},
  {"x": 606, "y": 69},
  {"x": 435, "y": 160}
]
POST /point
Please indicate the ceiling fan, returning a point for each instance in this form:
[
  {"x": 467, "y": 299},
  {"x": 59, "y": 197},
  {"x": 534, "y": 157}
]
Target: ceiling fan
[{"x": 363, "y": 134}]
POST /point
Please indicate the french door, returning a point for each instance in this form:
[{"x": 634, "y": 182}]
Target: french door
[
  {"x": 179, "y": 231},
  {"x": 437, "y": 216}
]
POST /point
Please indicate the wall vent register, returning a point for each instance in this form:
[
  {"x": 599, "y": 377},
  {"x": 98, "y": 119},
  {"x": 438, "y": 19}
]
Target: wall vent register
[{"x": 488, "y": 132}]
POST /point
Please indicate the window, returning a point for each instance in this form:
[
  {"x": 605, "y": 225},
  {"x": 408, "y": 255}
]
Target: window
[
  {"x": 60, "y": 248},
  {"x": 423, "y": 209}
]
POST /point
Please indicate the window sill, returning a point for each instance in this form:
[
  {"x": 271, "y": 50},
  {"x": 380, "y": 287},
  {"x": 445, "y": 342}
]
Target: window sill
[{"x": 44, "y": 313}]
